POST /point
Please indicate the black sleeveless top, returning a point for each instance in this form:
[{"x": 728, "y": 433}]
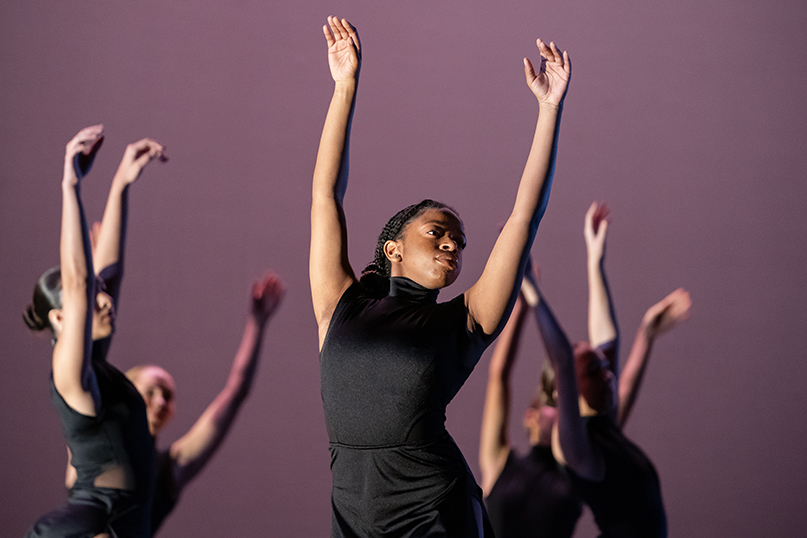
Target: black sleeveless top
[
  {"x": 389, "y": 367},
  {"x": 116, "y": 440},
  {"x": 533, "y": 497},
  {"x": 166, "y": 494},
  {"x": 627, "y": 503}
]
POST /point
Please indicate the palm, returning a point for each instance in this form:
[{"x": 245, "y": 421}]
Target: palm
[
  {"x": 344, "y": 49},
  {"x": 342, "y": 60},
  {"x": 672, "y": 310},
  {"x": 550, "y": 82}
]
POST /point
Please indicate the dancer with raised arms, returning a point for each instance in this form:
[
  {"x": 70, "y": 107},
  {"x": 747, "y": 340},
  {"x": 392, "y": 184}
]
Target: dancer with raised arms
[
  {"x": 391, "y": 356},
  {"x": 102, "y": 415}
]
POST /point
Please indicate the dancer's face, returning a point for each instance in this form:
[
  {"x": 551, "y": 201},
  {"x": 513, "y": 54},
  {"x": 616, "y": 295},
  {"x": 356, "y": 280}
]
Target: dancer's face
[
  {"x": 595, "y": 381},
  {"x": 103, "y": 318},
  {"x": 540, "y": 421},
  {"x": 157, "y": 388},
  {"x": 429, "y": 250}
]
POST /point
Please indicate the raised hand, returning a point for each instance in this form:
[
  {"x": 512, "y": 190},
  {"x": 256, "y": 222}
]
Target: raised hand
[
  {"x": 136, "y": 157},
  {"x": 80, "y": 153},
  {"x": 595, "y": 230},
  {"x": 551, "y": 81},
  {"x": 667, "y": 313},
  {"x": 267, "y": 294},
  {"x": 344, "y": 49}
]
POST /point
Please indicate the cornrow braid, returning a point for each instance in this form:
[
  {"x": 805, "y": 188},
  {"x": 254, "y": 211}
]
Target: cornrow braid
[{"x": 375, "y": 276}]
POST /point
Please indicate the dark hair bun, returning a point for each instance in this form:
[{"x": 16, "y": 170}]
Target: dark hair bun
[{"x": 34, "y": 322}]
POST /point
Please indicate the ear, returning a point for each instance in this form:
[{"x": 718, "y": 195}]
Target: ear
[
  {"x": 392, "y": 250},
  {"x": 55, "y": 319}
]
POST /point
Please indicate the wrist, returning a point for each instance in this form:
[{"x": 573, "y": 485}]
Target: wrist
[
  {"x": 595, "y": 260},
  {"x": 120, "y": 180},
  {"x": 346, "y": 86},
  {"x": 548, "y": 107}
]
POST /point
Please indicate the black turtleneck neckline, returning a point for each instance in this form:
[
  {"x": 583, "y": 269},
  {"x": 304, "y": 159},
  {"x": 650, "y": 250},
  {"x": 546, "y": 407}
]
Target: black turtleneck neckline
[{"x": 407, "y": 289}]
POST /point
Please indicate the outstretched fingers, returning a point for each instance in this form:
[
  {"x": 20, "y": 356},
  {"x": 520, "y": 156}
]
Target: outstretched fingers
[
  {"x": 354, "y": 35},
  {"x": 328, "y": 36}
]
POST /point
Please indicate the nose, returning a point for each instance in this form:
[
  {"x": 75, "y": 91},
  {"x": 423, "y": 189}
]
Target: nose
[{"x": 449, "y": 244}]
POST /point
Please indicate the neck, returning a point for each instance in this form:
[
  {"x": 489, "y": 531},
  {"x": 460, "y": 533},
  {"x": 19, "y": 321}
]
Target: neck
[{"x": 407, "y": 289}]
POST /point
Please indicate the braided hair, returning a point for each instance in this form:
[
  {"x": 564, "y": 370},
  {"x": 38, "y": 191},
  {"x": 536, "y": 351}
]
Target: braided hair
[
  {"x": 375, "y": 277},
  {"x": 47, "y": 296}
]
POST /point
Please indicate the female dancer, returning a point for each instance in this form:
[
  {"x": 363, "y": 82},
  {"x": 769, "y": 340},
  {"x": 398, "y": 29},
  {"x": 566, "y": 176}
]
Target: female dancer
[
  {"x": 391, "y": 358},
  {"x": 103, "y": 416},
  {"x": 530, "y": 494},
  {"x": 533, "y": 494},
  {"x": 611, "y": 474},
  {"x": 186, "y": 457}
]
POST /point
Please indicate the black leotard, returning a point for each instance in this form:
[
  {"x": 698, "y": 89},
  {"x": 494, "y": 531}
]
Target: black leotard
[
  {"x": 533, "y": 497},
  {"x": 166, "y": 494},
  {"x": 388, "y": 369},
  {"x": 627, "y": 502},
  {"x": 113, "y": 447}
]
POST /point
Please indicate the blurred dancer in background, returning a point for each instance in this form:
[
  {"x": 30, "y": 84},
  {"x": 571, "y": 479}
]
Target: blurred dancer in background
[{"x": 103, "y": 416}]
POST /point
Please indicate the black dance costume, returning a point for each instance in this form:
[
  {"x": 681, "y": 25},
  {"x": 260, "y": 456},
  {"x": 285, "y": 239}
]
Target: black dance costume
[
  {"x": 389, "y": 367},
  {"x": 166, "y": 493},
  {"x": 627, "y": 502},
  {"x": 114, "y": 445},
  {"x": 533, "y": 497}
]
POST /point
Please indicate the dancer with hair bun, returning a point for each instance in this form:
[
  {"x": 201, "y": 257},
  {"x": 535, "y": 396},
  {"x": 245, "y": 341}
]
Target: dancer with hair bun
[
  {"x": 102, "y": 415},
  {"x": 391, "y": 356}
]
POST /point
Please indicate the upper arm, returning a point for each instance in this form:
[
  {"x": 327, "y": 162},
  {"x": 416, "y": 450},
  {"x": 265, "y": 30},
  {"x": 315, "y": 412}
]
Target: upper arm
[
  {"x": 491, "y": 298},
  {"x": 329, "y": 267},
  {"x": 73, "y": 376}
]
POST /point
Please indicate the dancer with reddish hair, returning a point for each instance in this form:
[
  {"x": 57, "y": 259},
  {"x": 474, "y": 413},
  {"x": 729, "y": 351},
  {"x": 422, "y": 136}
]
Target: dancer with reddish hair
[
  {"x": 186, "y": 457},
  {"x": 610, "y": 473}
]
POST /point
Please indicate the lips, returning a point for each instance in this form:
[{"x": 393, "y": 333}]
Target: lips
[{"x": 447, "y": 259}]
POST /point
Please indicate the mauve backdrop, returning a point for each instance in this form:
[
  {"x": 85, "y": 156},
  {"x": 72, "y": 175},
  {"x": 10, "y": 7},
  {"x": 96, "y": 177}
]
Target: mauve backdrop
[{"x": 687, "y": 117}]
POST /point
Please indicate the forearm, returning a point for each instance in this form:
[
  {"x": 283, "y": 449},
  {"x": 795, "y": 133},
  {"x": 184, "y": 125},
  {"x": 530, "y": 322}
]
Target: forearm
[
  {"x": 633, "y": 372},
  {"x": 601, "y": 323},
  {"x": 493, "y": 439},
  {"x": 572, "y": 433},
  {"x": 245, "y": 364},
  {"x": 74, "y": 252},
  {"x": 331, "y": 170},
  {"x": 536, "y": 181},
  {"x": 491, "y": 298},
  {"x": 111, "y": 240}
]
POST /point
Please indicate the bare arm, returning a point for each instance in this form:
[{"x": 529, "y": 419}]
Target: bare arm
[
  {"x": 659, "y": 318},
  {"x": 110, "y": 237},
  {"x": 491, "y": 298},
  {"x": 601, "y": 319},
  {"x": 191, "y": 453},
  {"x": 72, "y": 372},
  {"x": 494, "y": 444},
  {"x": 329, "y": 267},
  {"x": 571, "y": 444}
]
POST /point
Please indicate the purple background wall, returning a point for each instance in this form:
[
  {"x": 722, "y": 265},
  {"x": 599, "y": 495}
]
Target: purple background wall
[{"x": 686, "y": 117}]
